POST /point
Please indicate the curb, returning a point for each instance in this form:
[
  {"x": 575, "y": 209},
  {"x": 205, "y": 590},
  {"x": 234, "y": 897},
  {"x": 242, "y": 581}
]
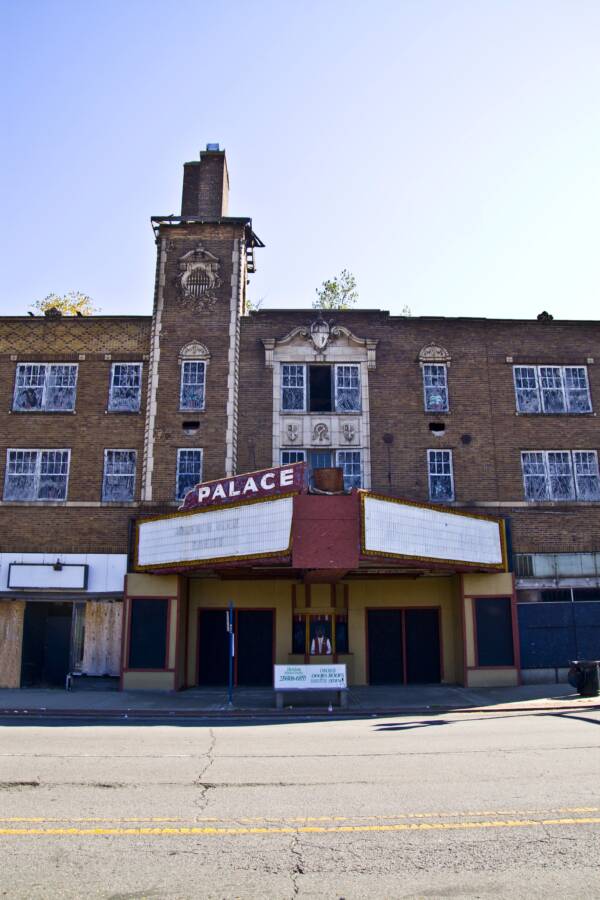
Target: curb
[{"x": 299, "y": 712}]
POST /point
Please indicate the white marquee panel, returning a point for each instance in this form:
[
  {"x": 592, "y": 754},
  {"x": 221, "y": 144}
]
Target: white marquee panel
[
  {"x": 253, "y": 530},
  {"x": 396, "y": 528}
]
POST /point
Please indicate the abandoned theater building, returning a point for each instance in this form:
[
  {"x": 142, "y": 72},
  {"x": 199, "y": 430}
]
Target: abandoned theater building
[{"x": 415, "y": 497}]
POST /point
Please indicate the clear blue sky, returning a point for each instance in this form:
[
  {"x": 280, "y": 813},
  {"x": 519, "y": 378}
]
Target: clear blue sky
[{"x": 447, "y": 153}]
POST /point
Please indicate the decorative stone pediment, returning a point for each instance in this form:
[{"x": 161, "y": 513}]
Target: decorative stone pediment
[
  {"x": 198, "y": 278},
  {"x": 194, "y": 350},
  {"x": 318, "y": 340},
  {"x": 433, "y": 353}
]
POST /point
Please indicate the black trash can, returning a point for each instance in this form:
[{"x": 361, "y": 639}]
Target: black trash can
[{"x": 584, "y": 675}]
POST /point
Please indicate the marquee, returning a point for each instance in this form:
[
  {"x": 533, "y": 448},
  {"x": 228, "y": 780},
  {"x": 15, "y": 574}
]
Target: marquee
[
  {"x": 399, "y": 528},
  {"x": 248, "y": 530}
]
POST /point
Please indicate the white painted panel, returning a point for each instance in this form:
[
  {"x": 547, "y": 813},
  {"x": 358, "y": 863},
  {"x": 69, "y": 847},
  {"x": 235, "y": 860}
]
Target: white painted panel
[
  {"x": 106, "y": 571},
  {"x": 46, "y": 577},
  {"x": 395, "y": 528},
  {"x": 306, "y": 678},
  {"x": 241, "y": 531}
]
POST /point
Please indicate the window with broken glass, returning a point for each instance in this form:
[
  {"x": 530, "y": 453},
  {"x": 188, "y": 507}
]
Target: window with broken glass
[
  {"x": 125, "y": 387},
  {"x": 189, "y": 471},
  {"x": 561, "y": 475},
  {"x": 36, "y": 474},
  {"x": 435, "y": 388},
  {"x": 193, "y": 376},
  {"x": 347, "y": 388},
  {"x": 118, "y": 482},
  {"x": 441, "y": 477},
  {"x": 45, "y": 387},
  {"x": 320, "y": 388},
  {"x": 350, "y": 462},
  {"x": 293, "y": 388},
  {"x": 552, "y": 390}
]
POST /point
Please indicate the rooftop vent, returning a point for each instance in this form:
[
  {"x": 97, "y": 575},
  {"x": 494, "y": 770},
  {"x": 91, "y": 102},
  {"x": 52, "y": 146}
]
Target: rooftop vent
[{"x": 213, "y": 147}]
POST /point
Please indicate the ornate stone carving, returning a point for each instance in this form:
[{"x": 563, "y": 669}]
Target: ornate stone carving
[
  {"x": 349, "y": 431},
  {"x": 198, "y": 278},
  {"x": 320, "y": 434},
  {"x": 194, "y": 350},
  {"x": 291, "y": 432},
  {"x": 433, "y": 353},
  {"x": 321, "y": 334}
]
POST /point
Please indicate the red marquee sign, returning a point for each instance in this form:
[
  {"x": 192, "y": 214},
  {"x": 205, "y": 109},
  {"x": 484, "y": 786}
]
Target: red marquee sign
[{"x": 265, "y": 483}]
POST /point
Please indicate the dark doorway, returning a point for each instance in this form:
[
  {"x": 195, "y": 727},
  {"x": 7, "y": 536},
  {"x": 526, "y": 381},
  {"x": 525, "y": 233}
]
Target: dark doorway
[
  {"x": 213, "y": 656},
  {"x": 255, "y": 647},
  {"x": 422, "y": 630},
  {"x": 404, "y": 646},
  {"x": 386, "y": 665},
  {"x": 46, "y": 644}
]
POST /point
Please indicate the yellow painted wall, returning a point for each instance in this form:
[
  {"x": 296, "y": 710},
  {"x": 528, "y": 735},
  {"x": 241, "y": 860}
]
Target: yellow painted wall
[
  {"x": 210, "y": 593},
  {"x": 140, "y": 585},
  {"x": 492, "y": 678},
  {"x": 148, "y": 681},
  {"x": 497, "y": 584},
  {"x": 405, "y": 592},
  {"x": 486, "y": 585}
]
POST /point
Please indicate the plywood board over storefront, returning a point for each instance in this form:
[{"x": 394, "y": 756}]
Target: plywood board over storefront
[{"x": 11, "y": 634}]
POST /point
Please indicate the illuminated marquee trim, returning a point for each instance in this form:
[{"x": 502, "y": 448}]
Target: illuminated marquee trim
[
  {"x": 197, "y": 511},
  {"x": 367, "y": 495}
]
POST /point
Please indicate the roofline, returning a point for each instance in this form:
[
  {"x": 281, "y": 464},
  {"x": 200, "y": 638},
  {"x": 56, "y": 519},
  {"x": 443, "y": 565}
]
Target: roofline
[{"x": 172, "y": 220}]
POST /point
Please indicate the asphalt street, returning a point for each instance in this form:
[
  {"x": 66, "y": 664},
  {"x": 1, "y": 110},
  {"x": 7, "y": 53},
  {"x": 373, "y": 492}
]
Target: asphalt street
[{"x": 457, "y": 805}]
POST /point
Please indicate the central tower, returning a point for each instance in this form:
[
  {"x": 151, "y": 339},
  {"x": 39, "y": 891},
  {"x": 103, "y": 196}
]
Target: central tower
[{"x": 204, "y": 258}]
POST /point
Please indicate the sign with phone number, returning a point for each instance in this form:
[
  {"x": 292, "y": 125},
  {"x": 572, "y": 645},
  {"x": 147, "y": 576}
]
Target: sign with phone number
[{"x": 308, "y": 678}]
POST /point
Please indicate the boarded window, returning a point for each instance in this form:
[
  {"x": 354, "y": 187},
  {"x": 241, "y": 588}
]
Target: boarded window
[
  {"x": 125, "y": 387},
  {"x": 493, "y": 623},
  {"x": 118, "y": 483},
  {"x": 148, "y": 634},
  {"x": 45, "y": 387}
]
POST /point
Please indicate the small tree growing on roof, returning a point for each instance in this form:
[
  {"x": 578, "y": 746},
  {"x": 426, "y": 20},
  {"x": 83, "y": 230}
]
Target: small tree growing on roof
[
  {"x": 337, "y": 293},
  {"x": 74, "y": 303}
]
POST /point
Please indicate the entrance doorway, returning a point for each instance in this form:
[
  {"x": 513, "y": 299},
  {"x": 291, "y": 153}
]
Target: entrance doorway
[
  {"x": 254, "y": 637},
  {"x": 213, "y": 644},
  {"x": 403, "y": 646},
  {"x": 45, "y": 659}
]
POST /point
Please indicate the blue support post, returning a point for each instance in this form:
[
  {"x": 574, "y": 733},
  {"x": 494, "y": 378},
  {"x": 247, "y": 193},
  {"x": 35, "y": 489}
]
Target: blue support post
[{"x": 231, "y": 652}]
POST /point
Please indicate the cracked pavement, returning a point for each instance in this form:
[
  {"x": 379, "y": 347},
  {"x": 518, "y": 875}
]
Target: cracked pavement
[{"x": 415, "y": 806}]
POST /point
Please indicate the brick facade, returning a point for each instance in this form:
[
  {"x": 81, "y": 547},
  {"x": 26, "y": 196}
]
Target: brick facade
[{"x": 482, "y": 427}]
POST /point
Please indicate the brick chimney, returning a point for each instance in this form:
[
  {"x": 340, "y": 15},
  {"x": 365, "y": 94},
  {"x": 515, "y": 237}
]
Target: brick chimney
[{"x": 206, "y": 185}]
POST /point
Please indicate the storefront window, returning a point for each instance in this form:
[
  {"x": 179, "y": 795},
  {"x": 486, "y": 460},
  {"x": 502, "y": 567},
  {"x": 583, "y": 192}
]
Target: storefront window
[{"x": 319, "y": 635}]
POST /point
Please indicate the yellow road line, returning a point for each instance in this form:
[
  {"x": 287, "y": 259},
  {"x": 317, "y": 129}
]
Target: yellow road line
[
  {"x": 289, "y": 829},
  {"x": 299, "y": 819}
]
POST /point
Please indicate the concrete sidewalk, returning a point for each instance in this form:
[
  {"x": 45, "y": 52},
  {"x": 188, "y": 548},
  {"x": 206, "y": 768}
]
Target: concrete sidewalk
[{"x": 363, "y": 701}]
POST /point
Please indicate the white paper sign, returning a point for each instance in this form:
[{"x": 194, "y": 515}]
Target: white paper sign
[
  {"x": 307, "y": 678},
  {"x": 230, "y": 532},
  {"x": 400, "y": 529}
]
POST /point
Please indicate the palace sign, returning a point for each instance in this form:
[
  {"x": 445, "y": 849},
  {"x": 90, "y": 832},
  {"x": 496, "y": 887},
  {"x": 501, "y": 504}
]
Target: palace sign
[{"x": 265, "y": 483}]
